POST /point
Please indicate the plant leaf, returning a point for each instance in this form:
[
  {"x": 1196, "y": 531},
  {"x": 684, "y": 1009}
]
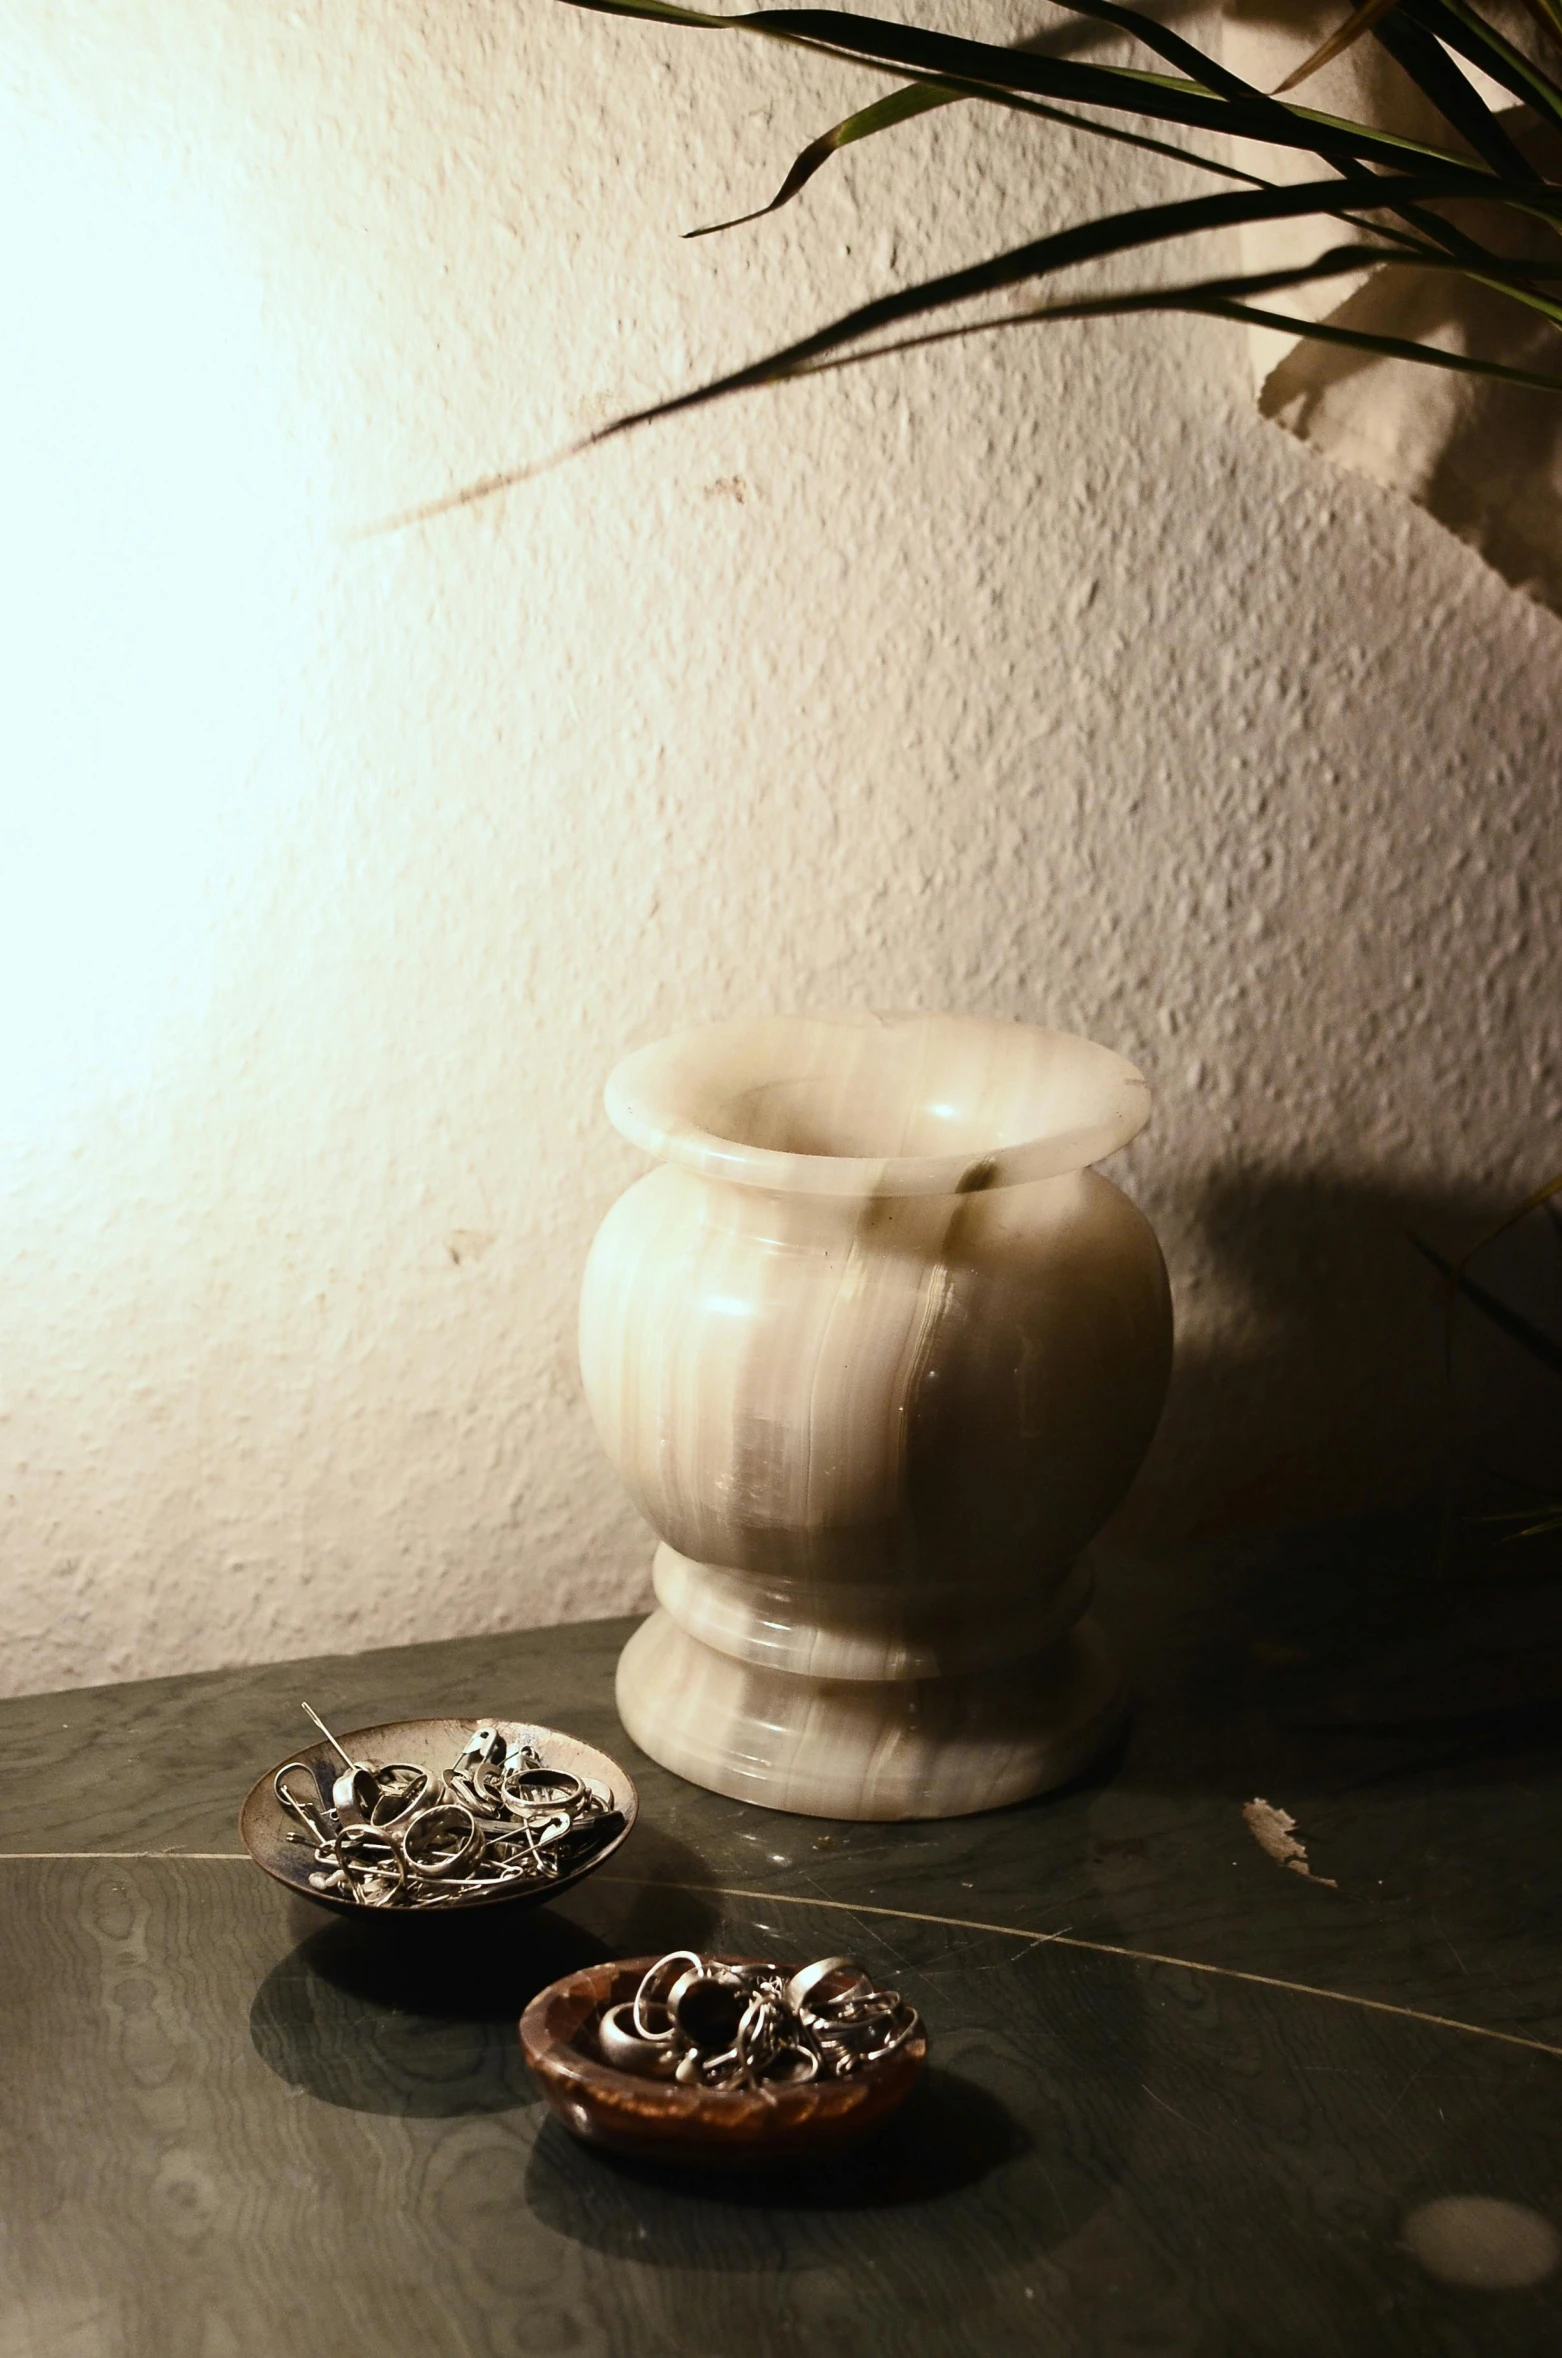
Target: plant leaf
[
  {"x": 1546, "y": 15},
  {"x": 982, "y": 70},
  {"x": 1194, "y": 296},
  {"x": 1415, "y": 175},
  {"x": 1460, "y": 104},
  {"x": 1419, "y": 56},
  {"x": 1115, "y": 233},
  {"x": 1322, "y": 331},
  {"x": 1250, "y": 112},
  {"x": 1536, "y": 1522},
  {"x": 1475, "y": 41},
  {"x": 1502, "y": 1315},
  {"x": 1543, "y": 1194},
  {"x": 917, "y": 98},
  {"x": 1363, "y": 20},
  {"x": 1430, "y": 67},
  {"x": 1145, "y": 225},
  {"x": 886, "y": 112},
  {"x": 1463, "y": 30},
  {"x": 1219, "y": 299}
]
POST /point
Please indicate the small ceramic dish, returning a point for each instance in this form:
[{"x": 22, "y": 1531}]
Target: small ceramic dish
[
  {"x": 703, "y": 2127},
  {"x": 269, "y": 1834}
]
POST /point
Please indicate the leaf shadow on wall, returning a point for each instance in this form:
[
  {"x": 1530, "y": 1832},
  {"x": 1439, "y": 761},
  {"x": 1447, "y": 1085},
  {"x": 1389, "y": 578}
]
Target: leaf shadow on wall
[{"x": 1309, "y": 1379}]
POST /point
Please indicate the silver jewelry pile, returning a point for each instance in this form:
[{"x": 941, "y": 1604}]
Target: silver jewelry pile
[
  {"x": 710, "y": 2025},
  {"x": 499, "y": 1819}
]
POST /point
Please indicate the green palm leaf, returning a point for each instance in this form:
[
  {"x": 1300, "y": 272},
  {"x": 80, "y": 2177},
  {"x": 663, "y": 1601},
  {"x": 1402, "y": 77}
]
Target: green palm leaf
[
  {"x": 1390, "y": 188},
  {"x": 1342, "y": 38},
  {"x": 1227, "y": 298},
  {"x": 1453, "y": 22},
  {"x": 1208, "y": 94},
  {"x": 917, "y": 98},
  {"x": 1214, "y": 100},
  {"x": 920, "y": 98},
  {"x": 1460, "y": 104},
  {"x": 1144, "y": 226}
]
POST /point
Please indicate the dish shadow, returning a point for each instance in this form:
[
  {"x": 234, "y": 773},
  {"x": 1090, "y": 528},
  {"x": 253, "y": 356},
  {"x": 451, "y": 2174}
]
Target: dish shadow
[
  {"x": 420, "y": 2015},
  {"x": 950, "y": 2134},
  {"x": 1017, "y": 2133}
]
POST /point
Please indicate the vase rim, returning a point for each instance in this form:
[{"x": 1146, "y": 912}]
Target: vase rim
[{"x": 863, "y": 1104}]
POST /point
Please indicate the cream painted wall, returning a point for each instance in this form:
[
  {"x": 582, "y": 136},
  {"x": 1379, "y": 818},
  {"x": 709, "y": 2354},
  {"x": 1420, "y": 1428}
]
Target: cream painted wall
[{"x": 1033, "y": 677}]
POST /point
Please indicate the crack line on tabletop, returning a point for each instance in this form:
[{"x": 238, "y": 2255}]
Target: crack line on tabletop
[{"x": 1108, "y": 1948}]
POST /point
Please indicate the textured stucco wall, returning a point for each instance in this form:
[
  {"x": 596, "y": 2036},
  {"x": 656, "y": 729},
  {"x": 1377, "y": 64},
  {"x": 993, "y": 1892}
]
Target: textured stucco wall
[{"x": 1033, "y": 677}]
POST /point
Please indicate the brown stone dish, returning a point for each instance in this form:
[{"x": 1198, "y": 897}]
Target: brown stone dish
[
  {"x": 266, "y": 1829},
  {"x": 700, "y": 2127}
]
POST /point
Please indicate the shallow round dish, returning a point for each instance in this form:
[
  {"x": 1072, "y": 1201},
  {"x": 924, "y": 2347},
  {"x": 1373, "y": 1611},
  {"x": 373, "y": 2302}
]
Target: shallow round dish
[
  {"x": 265, "y": 1827},
  {"x": 702, "y": 2127}
]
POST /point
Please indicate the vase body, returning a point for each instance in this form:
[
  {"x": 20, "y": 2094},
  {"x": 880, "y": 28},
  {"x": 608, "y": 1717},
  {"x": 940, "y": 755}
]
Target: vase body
[{"x": 875, "y": 1354}]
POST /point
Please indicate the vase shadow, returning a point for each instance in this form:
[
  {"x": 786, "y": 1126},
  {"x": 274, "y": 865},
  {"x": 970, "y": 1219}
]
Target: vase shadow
[
  {"x": 1339, "y": 1659},
  {"x": 1318, "y": 1387}
]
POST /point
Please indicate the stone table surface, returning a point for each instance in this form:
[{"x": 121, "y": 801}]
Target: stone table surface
[{"x": 1182, "y": 2098}]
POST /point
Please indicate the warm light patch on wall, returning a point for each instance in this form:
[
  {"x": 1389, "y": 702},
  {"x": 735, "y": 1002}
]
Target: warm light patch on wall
[{"x": 149, "y": 609}]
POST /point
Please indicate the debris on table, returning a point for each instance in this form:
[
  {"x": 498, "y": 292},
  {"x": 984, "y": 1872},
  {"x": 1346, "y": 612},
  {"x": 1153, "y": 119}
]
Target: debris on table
[{"x": 1274, "y": 1830}]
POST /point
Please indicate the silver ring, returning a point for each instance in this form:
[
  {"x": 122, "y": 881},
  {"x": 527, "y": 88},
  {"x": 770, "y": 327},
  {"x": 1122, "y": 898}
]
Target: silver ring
[
  {"x": 802, "y": 1985},
  {"x": 428, "y": 1825},
  {"x": 391, "y": 1805},
  {"x": 731, "y": 2028},
  {"x": 622, "y": 2046},
  {"x": 356, "y": 1789},
  {"x": 645, "y": 1994}
]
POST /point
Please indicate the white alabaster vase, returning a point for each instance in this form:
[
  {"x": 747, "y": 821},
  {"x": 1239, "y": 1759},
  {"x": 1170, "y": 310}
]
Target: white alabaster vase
[{"x": 875, "y": 1352}]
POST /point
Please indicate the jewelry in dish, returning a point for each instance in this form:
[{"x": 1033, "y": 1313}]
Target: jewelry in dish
[
  {"x": 395, "y": 1835},
  {"x": 709, "y": 2024}
]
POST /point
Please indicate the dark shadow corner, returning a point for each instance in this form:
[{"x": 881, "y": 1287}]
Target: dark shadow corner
[{"x": 1309, "y": 1380}]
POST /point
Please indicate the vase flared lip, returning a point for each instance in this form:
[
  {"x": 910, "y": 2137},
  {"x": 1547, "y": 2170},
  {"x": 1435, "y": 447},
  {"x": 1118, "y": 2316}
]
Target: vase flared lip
[{"x": 800, "y": 1104}]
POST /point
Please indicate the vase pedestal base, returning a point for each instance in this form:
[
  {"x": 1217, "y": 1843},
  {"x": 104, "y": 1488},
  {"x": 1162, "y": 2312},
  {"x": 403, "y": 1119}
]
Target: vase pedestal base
[{"x": 870, "y": 1748}]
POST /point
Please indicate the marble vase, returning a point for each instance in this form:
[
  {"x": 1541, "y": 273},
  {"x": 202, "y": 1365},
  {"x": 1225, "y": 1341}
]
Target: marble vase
[{"x": 875, "y": 1352}]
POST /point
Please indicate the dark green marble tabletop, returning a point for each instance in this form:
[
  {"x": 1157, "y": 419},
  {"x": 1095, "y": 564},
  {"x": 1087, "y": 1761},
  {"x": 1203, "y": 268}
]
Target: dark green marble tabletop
[{"x": 1182, "y": 2098}]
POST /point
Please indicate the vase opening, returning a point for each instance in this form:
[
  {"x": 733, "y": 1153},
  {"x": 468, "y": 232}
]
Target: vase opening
[{"x": 877, "y": 1104}]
